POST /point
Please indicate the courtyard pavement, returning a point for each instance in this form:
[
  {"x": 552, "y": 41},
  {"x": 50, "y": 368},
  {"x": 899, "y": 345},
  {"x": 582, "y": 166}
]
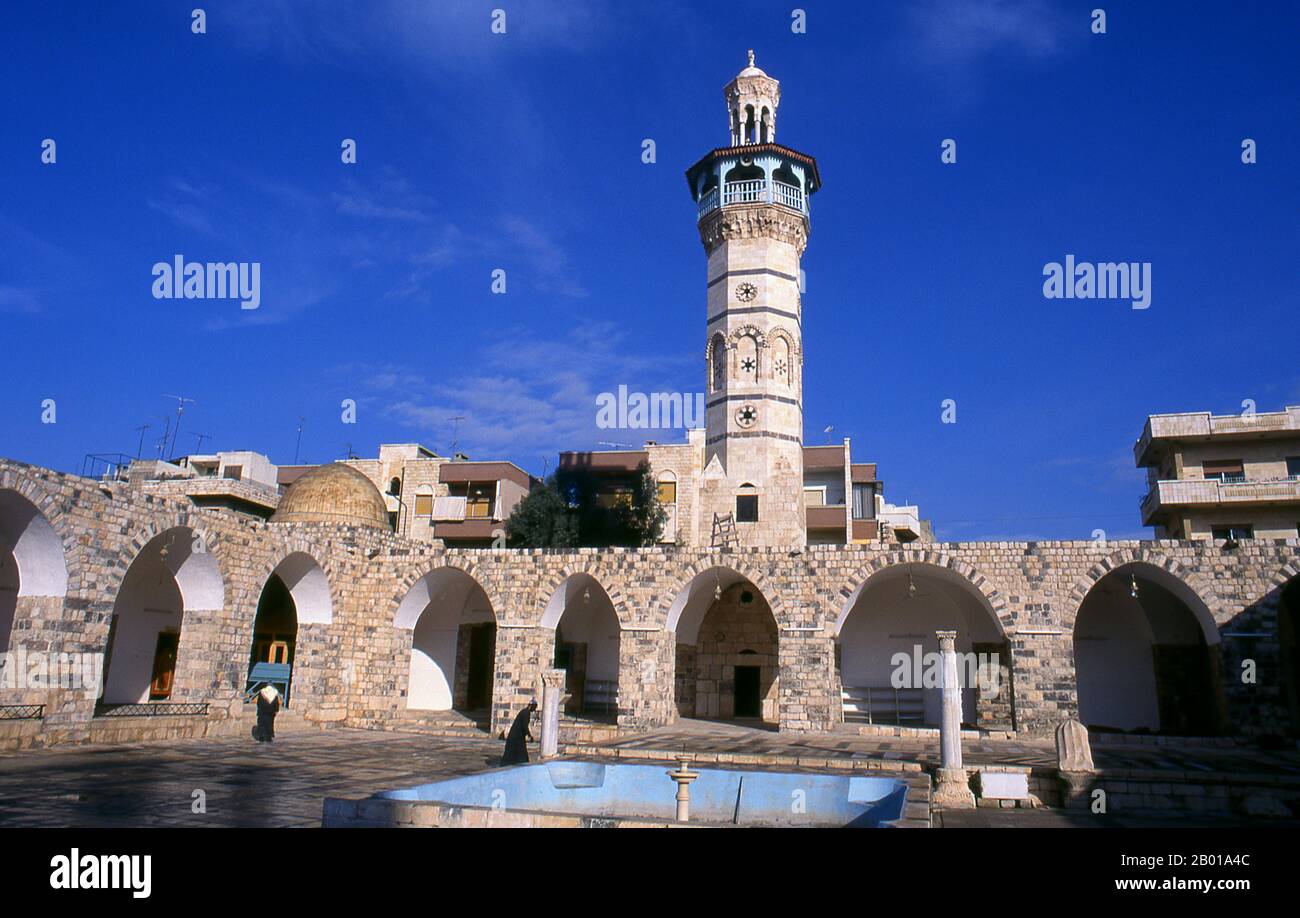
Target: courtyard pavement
[
  {"x": 742, "y": 737},
  {"x": 281, "y": 784},
  {"x": 284, "y": 784}
]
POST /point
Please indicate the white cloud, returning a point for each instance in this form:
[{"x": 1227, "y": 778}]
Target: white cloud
[
  {"x": 526, "y": 398},
  {"x": 958, "y": 31}
]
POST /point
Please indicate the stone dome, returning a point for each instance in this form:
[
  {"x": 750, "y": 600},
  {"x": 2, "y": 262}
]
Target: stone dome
[{"x": 334, "y": 493}]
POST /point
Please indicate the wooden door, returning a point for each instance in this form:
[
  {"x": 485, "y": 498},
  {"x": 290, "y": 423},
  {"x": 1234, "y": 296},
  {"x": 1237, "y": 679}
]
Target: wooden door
[{"x": 164, "y": 666}]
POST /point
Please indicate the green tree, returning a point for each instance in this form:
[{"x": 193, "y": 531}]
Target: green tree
[
  {"x": 542, "y": 520},
  {"x": 573, "y": 508}
]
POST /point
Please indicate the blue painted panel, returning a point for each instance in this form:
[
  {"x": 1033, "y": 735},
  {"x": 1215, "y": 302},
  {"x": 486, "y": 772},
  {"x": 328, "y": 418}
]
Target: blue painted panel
[{"x": 717, "y": 796}]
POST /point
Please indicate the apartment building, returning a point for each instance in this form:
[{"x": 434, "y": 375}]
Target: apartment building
[{"x": 1228, "y": 477}]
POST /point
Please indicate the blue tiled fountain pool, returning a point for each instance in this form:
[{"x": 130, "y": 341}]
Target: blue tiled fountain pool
[{"x": 718, "y": 796}]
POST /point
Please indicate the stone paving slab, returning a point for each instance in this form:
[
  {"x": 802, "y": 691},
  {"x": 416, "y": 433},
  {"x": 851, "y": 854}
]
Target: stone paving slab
[
  {"x": 282, "y": 784},
  {"x": 731, "y": 737}
]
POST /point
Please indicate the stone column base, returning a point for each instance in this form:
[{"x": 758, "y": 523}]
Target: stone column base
[
  {"x": 1076, "y": 786},
  {"x": 953, "y": 790}
]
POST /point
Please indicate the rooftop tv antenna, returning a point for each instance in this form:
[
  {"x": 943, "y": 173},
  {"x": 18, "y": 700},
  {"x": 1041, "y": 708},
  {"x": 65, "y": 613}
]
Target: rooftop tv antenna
[
  {"x": 162, "y": 443},
  {"x": 180, "y": 409},
  {"x": 827, "y": 431},
  {"x": 140, "y": 449},
  {"x": 455, "y": 433},
  {"x": 201, "y": 437},
  {"x": 298, "y": 446},
  {"x": 615, "y": 445}
]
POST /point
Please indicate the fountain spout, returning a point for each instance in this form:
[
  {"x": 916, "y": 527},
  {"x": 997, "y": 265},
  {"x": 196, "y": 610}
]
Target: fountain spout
[{"x": 683, "y": 777}]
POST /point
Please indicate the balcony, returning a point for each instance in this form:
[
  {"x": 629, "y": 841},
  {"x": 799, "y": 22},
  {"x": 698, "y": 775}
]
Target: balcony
[
  {"x": 905, "y": 521},
  {"x": 827, "y": 516},
  {"x": 755, "y": 191},
  {"x": 1201, "y": 425},
  {"x": 1210, "y": 492}
]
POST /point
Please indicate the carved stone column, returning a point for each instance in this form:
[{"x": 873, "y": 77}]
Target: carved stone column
[
  {"x": 552, "y": 692},
  {"x": 953, "y": 790}
]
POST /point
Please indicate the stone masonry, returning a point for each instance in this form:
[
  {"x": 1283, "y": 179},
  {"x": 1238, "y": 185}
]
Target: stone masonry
[{"x": 354, "y": 668}]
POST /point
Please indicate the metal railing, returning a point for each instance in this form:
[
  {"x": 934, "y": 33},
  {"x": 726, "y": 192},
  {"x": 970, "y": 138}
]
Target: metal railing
[
  {"x": 882, "y": 705},
  {"x": 787, "y": 195},
  {"x": 750, "y": 192},
  {"x": 709, "y": 201},
  {"x": 153, "y": 709},
  {"x": 22, "y": 712},
  {"x": 105, "y": 465},
  {"x": 1228, "y": 487},
  {"x": 754, "y": 191}
]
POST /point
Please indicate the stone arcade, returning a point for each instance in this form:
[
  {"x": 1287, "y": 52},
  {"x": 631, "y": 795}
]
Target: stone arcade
[
  {"x": 182, "y": 595},
  {"x": 384, "y": 628}
]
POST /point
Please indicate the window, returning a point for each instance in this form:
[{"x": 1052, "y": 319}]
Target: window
[
  {"x": 1293, "y": 466},
  {"x": 667, "y": 491},
  {"x": 864, "y": 501},
  {"x": 424, "y": 505},
  {"x": 395, "y": 487},
  {"x": 746, "y": 508},
  {"x": 1223, "y": 470},
  {"x": 480, "y": 498},
  {"x": 1235, "y": 531},
  {"x": 235, "y": 472},
  {"x": 814, "y": 497}
]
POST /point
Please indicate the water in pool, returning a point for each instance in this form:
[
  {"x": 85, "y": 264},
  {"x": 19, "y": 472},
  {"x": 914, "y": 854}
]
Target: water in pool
[{"x": 718, "y": 796}]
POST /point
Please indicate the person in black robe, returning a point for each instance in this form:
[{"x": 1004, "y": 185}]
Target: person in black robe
[
  {"x": 516, "y": 743},
  {"x": 268, "y": 703}
]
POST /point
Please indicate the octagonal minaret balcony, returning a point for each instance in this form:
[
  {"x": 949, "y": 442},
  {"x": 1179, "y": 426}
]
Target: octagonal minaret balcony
[{"x": 754, "y": 168}]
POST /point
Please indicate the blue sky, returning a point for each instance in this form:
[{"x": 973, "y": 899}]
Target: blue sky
[{"x": 523, "y": 151}]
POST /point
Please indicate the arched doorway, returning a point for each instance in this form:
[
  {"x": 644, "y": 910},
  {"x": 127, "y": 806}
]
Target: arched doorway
[
  {"x": 296, "y": 593},
  {"x": 453, "y": 643},
  {"x": 726, "y": 637},
  {"x": 31, "y": 560},
  {"x": 887, "y": 654},
  {"x": 587, "y": 635},
  {"x": 173, "y": 574},
  {"x": 1146, "y": 656}
]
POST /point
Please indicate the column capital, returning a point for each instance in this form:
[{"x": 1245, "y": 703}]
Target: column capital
[{"x": 947, "y": 640}]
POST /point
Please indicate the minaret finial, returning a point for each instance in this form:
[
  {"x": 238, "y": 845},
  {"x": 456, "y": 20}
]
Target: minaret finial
[{"x": 751, "y": 57}]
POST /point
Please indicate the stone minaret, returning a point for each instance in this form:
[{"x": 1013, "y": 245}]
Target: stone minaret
[{"x": 752, "y": 199}]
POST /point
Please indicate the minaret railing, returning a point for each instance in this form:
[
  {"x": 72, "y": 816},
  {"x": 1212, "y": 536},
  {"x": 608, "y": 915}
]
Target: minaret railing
[
  {"x": 754, "y": 191},
  {"x": 709, "y": 201},
  {"x": 789, "y": 195},
  {"x": 748, "y": 192}
]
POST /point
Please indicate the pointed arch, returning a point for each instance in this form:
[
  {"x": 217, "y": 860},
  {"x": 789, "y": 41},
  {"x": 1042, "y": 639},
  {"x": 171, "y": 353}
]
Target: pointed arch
[
  {"x": 1146, "y": 649},
  {"x": 892, "y": 614},
  {"x": 452, "y": 622},
  {"x": 172, "y": 573},
  {"x": 941, "y": 564},
  {"x": 309, "y": 581},
  {"x": 727, "y": 640},
  {"x": 1191, "y": 587},
  {"x": 587, "y": 639},
  {"x": 29, "y": 537}
]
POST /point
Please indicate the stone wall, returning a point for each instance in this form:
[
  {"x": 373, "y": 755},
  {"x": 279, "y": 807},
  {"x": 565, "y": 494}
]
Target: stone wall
[{"x": 354, "y": 667}]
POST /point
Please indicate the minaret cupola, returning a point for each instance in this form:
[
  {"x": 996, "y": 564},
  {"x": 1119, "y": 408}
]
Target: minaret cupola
[{"x": 752, "y": 98}]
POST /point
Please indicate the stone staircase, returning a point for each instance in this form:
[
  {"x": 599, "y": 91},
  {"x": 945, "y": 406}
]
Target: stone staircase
[{"x": 473, "y": 724}]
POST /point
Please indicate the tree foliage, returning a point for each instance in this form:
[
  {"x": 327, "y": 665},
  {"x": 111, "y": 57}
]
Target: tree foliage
[{"x": 573, "y": 509}]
